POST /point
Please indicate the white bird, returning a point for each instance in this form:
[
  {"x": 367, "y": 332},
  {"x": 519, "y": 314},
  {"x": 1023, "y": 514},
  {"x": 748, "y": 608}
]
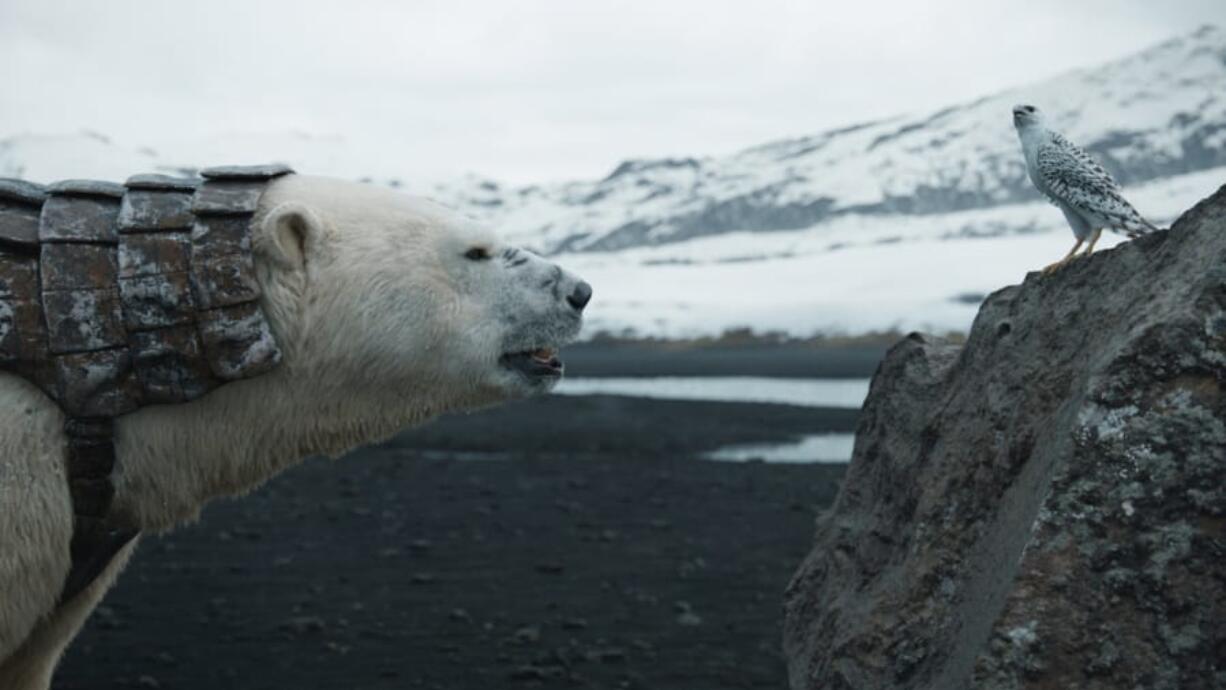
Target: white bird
[{"x": 1071, "y": 179}]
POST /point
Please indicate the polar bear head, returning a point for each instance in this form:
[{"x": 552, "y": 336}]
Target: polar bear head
[{"x": 371, "y": 291}]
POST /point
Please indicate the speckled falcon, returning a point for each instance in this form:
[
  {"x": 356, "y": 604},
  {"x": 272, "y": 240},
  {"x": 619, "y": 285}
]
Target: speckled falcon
[{"x": 1071, "y": 179}]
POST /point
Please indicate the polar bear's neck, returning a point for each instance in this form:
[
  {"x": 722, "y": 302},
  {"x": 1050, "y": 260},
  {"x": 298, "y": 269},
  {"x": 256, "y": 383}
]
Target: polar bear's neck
[{"x": 175, "y": 458}]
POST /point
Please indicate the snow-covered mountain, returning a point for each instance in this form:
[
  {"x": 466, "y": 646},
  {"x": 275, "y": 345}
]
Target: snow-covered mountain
[
  {"x": 1158, "y": 113},
  {"x": 903, "y": 223}
]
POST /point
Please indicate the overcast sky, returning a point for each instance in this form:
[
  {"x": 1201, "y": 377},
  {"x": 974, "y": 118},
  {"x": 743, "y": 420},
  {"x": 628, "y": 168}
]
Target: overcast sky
[{"x": 537, "y": 90}]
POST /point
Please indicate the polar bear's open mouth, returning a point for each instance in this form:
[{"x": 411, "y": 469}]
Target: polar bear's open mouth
[{"x": 539, "y": 364}]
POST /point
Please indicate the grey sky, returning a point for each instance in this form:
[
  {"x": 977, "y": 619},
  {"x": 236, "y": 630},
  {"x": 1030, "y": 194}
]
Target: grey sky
[{"x": 535, "y": 90}]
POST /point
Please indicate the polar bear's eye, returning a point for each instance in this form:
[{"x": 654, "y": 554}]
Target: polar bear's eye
[{"x": 477, "y": 254}]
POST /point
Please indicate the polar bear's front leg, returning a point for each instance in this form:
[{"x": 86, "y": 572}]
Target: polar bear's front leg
[
  {"x": 31, "y": 667},
  {"x": 35, "y": 526},
  {"x": 35, "y": 510}
]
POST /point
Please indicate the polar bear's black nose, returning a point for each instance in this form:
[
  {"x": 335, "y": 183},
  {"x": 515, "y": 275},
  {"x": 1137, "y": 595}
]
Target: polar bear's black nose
[{"x": 580, "y": 297}]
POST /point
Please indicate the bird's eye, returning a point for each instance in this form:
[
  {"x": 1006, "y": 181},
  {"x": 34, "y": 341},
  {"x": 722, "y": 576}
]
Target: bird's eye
[
  {"x": 477, "y": 254},
  {"x": 1029, "y": 108}
]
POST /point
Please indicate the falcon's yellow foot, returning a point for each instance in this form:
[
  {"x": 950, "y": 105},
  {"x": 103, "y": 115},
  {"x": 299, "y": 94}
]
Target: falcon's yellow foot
[{"x": 1052, "y": 268}]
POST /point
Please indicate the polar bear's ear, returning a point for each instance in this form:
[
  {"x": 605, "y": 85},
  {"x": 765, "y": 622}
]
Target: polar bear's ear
[{"x": 290, "y": 232}]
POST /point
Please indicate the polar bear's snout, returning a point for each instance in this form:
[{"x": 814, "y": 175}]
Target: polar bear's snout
[
  {"x": 542, "y": 308},
  {"x": 580, "y": 296}
]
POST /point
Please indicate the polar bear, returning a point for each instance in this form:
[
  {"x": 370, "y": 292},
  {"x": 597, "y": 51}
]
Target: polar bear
[{"x": 388, "y": 309}]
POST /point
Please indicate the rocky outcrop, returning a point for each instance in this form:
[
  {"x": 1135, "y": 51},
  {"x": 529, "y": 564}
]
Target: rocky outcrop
[{"x": 1045, "y": 506}]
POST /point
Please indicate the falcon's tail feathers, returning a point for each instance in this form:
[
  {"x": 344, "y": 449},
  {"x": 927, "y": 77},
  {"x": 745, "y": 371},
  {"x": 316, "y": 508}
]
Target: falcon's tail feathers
[{"x": 1137, "y": 226}]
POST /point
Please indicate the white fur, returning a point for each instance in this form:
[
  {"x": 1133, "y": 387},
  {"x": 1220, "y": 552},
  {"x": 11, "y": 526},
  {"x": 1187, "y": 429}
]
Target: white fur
[{"x": 383, "y": 322}]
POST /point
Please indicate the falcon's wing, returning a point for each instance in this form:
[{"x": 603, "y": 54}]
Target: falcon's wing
[{"x": 1071, "y": 175}]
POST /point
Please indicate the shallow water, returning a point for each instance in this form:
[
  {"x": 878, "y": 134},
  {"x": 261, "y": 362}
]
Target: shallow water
[
  {"x": 832, "y": 448},
  {"x": 804, "y": 392}
]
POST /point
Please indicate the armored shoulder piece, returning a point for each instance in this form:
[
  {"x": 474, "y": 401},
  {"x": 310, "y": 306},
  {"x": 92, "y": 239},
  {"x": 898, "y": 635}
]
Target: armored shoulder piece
[{"x": 117, "y": 296}]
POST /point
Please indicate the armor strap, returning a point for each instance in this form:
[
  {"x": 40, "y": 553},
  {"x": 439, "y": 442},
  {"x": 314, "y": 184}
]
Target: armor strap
[{"x": 96, "y": 534}]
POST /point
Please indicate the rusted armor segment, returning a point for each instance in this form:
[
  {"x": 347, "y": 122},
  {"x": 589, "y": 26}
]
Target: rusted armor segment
[
  {"x": 224, "y": 281},
  {"x": 149, "y": 209},
  {"x": 96, "y": 188},
  {"x": 80, "y": 299},
  {"x": 20, "y": 205},
  {"x": 162, "y": 182},
  {"x": 80, "y": 211},
  {"x": 157, "y": 202},
  {"x": 97, "y": 384},
  {"x": 29, "y": 193},
  {"x": 156, "y": 302},
  {"x": 236, "y": 338},
  {"x": 22, "y": 334},
  {"x": 68, "y": 266},
  {"x": 224, "y": 196},
  {"x": 171, "y": 366},
  {"x": 223, "y": 273},
  {"x": 238, "y": 342},
  {"x": 234, "y": 189},
  {"x": 221, "y": 236},
  {"x": 154, "y": 280},
  {"x": 83, "y": 320},
  {"x": 246, "y": 172},
  {"x": 155, "y": 253}
]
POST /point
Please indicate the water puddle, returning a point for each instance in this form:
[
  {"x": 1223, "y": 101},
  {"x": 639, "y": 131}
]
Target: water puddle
[
  {"x": 805, "y": 392},
  {"x": 824, "y": 448}
]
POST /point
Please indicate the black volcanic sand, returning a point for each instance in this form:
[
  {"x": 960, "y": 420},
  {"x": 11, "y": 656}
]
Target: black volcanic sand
[{"x": 559, "y": 542}]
